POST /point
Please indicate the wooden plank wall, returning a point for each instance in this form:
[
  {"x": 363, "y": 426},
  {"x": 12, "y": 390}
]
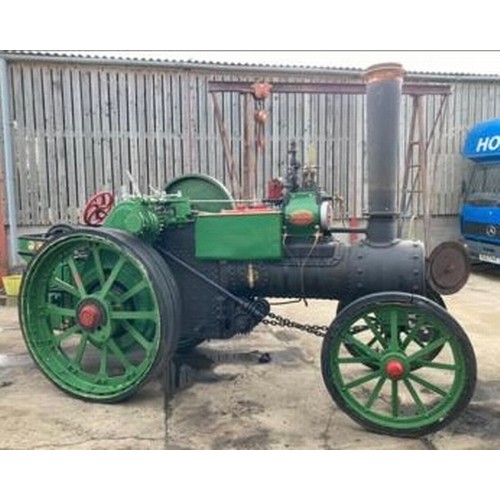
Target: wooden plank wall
[{"x": 78, "y": 129}]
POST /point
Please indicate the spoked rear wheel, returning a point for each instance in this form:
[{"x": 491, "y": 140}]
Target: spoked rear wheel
[
  {"x": 99, "y": 312},
  {"x": 396, "y": 389}
]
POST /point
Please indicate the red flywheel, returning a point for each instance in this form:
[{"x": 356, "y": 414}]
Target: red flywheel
[{"x": 98, "y": 208}]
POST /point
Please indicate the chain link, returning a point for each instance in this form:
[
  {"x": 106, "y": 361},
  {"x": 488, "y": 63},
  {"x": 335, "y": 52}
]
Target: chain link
[{"x": 277, "y": 320}]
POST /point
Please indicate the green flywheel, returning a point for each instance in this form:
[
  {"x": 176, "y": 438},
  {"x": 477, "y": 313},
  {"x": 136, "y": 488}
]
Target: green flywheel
[
  {"x": 207, "y": 194},
  {"x": 100, "y": 313}
]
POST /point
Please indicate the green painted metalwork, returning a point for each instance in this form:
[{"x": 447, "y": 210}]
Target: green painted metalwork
[
  {"x": 239, "y": 236},
  {"x": 29, "y": 245},
  {"x": 207, "y": 193},
  {"x": 146, "y": 218},
  {"x": 412, "y": 386},
  {"x": 302, "y": 214},
  {"x": 91, "y": 316}
]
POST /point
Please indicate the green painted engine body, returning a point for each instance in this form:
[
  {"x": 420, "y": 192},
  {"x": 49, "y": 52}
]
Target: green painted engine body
[{"x": 234, "y": 235}]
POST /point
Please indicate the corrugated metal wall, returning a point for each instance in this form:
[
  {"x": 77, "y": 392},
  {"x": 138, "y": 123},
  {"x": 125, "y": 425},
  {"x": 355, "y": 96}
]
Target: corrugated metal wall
[{"x": 79, "y": 129}]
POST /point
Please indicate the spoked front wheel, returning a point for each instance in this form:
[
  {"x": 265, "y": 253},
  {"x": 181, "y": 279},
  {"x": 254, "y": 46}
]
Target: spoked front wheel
[{"x": 400, "y": 387}]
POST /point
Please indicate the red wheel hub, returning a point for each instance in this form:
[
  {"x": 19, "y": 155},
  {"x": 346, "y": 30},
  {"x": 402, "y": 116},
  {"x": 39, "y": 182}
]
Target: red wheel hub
[
  {"x": 90, "y": 316},
  {"x": 394, "y": 369}
]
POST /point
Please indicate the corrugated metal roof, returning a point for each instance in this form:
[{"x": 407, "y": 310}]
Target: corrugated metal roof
[
  {"x": 88, "y": 56},
  {"x": 79, "y": 55}
]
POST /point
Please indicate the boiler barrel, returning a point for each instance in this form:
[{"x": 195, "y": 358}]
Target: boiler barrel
[{"x": 347, "y": 273}]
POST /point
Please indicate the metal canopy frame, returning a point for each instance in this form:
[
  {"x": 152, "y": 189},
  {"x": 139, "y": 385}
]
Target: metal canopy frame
[{"x": 247, "y": 190}]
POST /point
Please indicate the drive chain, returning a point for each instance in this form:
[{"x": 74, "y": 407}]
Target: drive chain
[{"x": 277, "y": 320}]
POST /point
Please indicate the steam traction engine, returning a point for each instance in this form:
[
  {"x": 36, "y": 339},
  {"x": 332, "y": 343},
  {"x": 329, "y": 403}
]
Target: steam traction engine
[{"x": 103, "y": 309}]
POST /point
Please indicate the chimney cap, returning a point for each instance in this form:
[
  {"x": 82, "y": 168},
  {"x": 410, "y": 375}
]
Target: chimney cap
[{"x": 384, "y": 72}]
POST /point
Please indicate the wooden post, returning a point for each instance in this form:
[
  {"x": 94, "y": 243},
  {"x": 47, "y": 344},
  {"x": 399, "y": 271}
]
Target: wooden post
[
  {"x": 228, "y": 155},
  {"x": 249, "y": 150}
]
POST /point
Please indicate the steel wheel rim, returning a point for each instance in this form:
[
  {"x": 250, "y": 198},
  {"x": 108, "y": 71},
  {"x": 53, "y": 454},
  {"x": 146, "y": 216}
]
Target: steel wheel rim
[
  {"x": 381, "y": 397},
  {"x": 89, "y": 361}
]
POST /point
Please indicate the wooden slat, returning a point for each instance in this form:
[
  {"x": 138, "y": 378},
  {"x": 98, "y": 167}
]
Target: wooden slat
[
  {"x": 165, "y": 113},
  {"x": 88, "y": 140},
  {"x": 32, "y": 179},
  {"x": 212, "y": 134},
  {"x": 114, "y": 132},
  {"x": 143, "y": 174},
  {"x": 96, "y": 130},
  {"x": 150, "y": 134},
  {"x": 40, "y": 146},
  {"x": 202, "y": 126},
  {"x": 132, "y": 116},
  {"x": 123, "y": 132},
  {"x": 175, "y": 97},
  {"x": 69, "y": 145},
  {"x": 107, "y": 170},
  {"x": 19, "y": 139},
  {"x": 52, "y": 180},
  {"x": 79, "y": 143},
  {"x": 61, "y": 187}
]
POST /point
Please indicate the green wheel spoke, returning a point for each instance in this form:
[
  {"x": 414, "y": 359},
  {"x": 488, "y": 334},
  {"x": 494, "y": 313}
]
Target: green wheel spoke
[
  {"x": 137, "y": 336},
  {"x": 428, "y": 385},
  {"x": 52, "y": 309},
  {"x": 415, "y": 396},
  {"x": 81, "y": 349},
  {"x": 376, "y": 391},
  {"x": 112, "y": 276},
  {"x": 103, "y": 362},
  {"x": 428, "y": 349},
  {"x": 131, "y": 315},
  {"x": 394, "y": 398},
  {"x": 119, "y": 355},
  {"x": 139, "y": 287},
  {"x": 374, "y": 326},
  {"x": 67, "y": 333},
  {"x": 363, "y": 348},
  {"x": 354, "y": 359},
  {"x": 66, "y": 287},
  {"x": 76, "y": 276},
  {"x": 362, "y": 380},
  {"x": 98, "y": 265},
  {"x": 413, "y": 337},
  {"x": 433, "y": 364}
]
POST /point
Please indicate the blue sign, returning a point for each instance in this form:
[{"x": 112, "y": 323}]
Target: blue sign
[{"x": 482, "y": 144}]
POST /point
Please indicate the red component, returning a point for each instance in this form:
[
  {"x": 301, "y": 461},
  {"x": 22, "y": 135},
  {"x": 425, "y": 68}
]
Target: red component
[
  {"x": 90, "y": 316},
  {"x": 261, "y": 115},
  {"x": 261, "y": 90},
  {"x": 354, "y": 224},
  {"x": 301, "y": 218},
  {"x": 245, "y": 209},
  {"x": 274, "y": 189},
  {"x": 395, "y": 369},
  {"x": 98, "y": 208}
]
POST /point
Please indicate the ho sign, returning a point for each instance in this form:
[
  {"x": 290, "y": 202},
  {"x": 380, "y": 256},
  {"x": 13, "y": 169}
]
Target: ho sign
[{"x": 485, "y": 144}]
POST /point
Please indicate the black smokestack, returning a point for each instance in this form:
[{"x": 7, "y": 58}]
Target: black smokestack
[{"x": 383, "y": 101}]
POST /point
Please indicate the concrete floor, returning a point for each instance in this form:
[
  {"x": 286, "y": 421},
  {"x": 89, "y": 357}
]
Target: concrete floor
[{"x": 223, "y": 397}]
